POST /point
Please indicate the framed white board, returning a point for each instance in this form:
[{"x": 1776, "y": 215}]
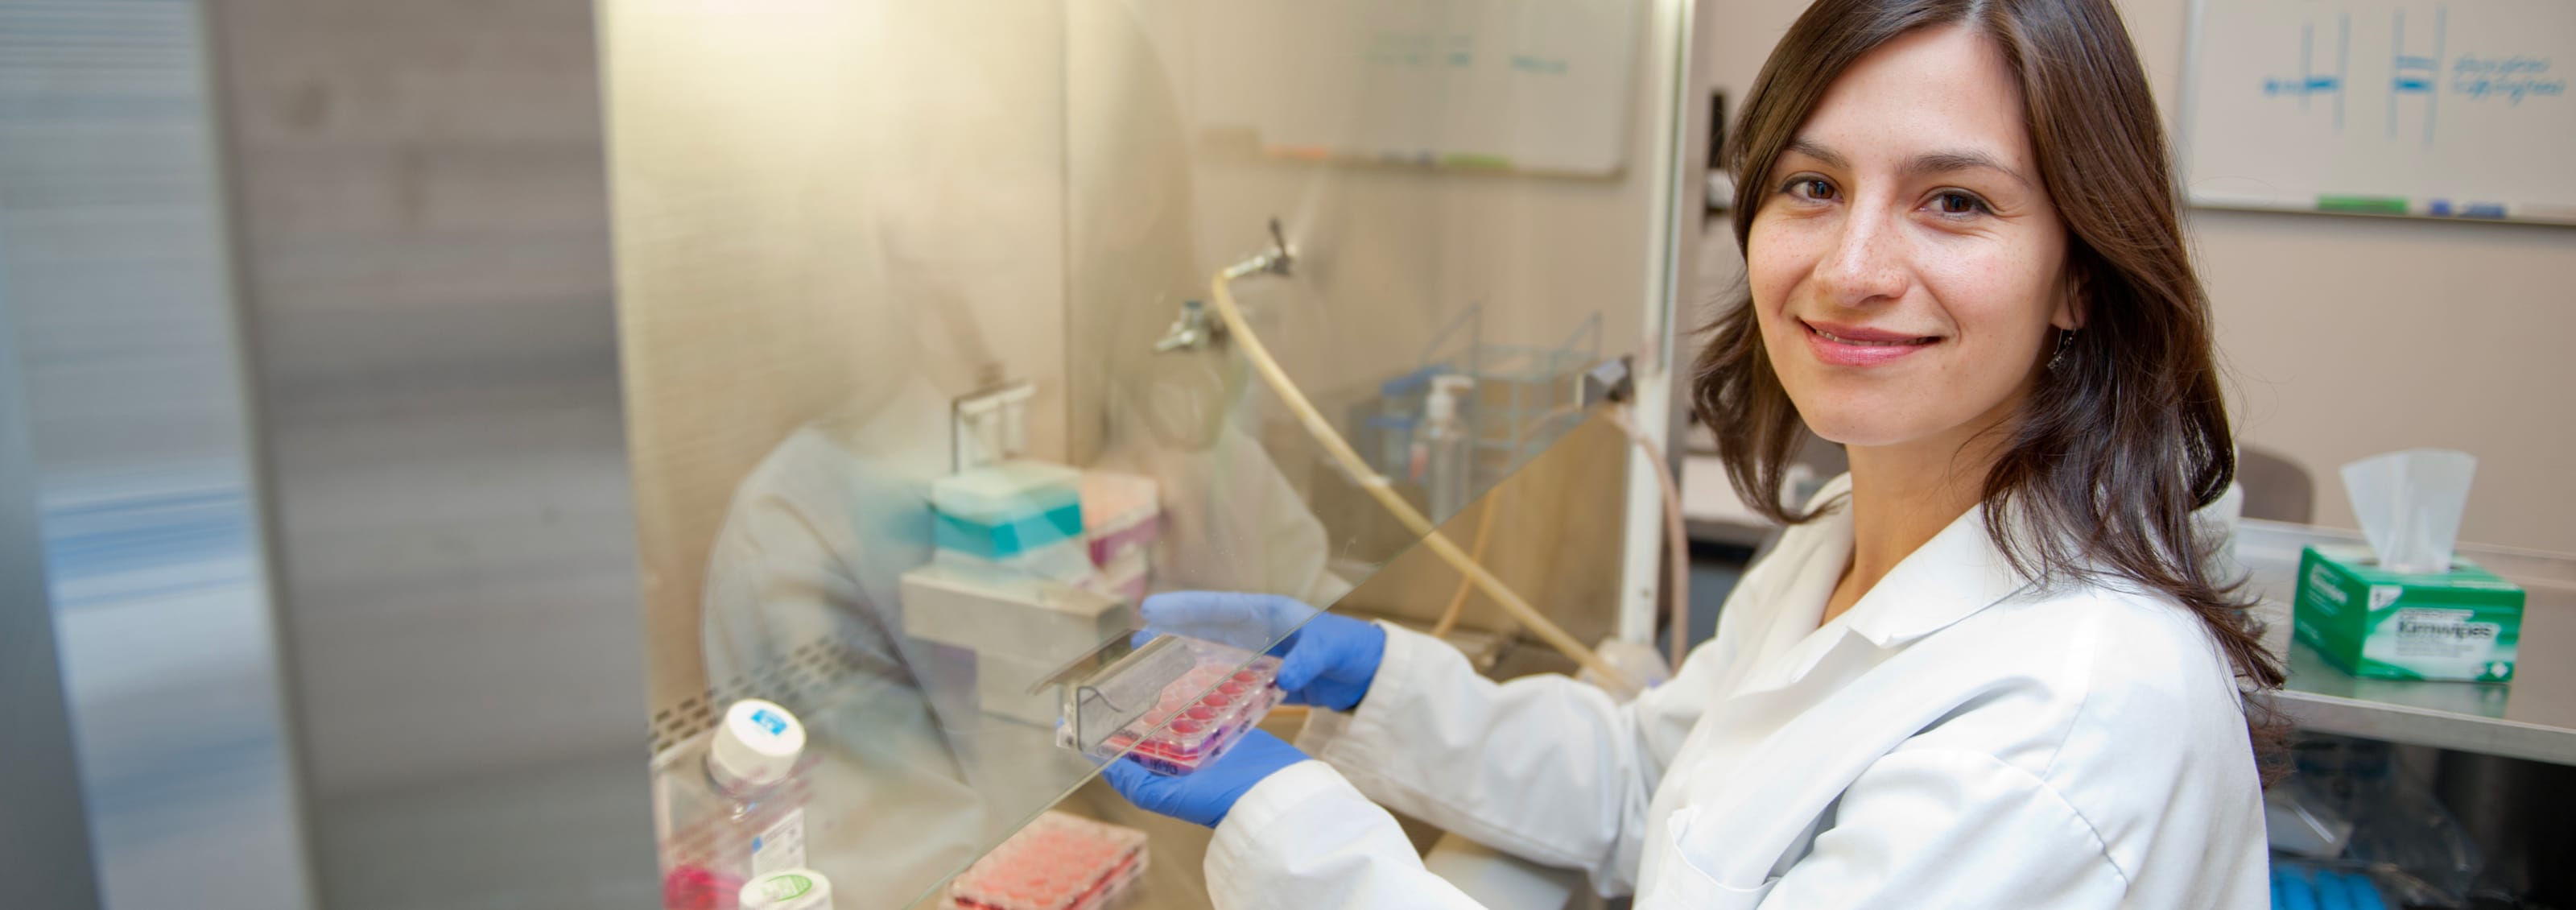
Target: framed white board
[
  {"x": 2430, "y": 108},
  {"x": 1522, "y": 85}
]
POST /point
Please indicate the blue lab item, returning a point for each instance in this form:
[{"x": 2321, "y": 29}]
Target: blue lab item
[
  {"x": 1324, "y": 660},
  {"x": 1000, "y": 493},
  {"x": 1204, "y": 797},
  {"x": 1004, "y": 512},
  {"x": 1010, "y": 537},
  {"x": 2303, "y": 887}
]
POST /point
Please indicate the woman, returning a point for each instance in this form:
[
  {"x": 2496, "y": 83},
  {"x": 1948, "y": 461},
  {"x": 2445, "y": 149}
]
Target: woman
[{"x": 1989, "y": 667}]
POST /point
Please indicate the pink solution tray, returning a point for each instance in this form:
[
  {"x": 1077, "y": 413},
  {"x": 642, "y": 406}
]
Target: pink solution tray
[
  {"x": 1200, "y": 715},
  {"x": 1058, "y": 862}
]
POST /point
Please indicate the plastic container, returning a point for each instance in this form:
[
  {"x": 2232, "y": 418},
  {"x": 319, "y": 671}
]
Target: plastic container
[
  {"x": 1393, "y": 447},
  {"x": 793, "y": 889},
  {"x": 1122, "y": 514},
  {"x": 1193, "y": 716},
  {"x": 1065, "y": 560},
  {"x": 1440, "y": 451},
  {"x": 1398, "y": 417},
  {"x": 1058, "y": 862},
  {"x": 982, "y": 494},
  {"x": 1123, "y": 577},
  {"x": 1001, "y": 511},
  {"x": 729, "y": 807},
  {"x": 1016, "y": 534}
]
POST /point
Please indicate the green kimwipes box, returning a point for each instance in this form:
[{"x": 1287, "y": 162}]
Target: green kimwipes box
[{"x": 2464, "y": 624}]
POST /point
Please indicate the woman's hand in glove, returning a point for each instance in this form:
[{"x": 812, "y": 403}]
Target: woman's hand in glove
[
  {"x": 1324, "y": 660},
  {"x": 1206, "y": 795}
]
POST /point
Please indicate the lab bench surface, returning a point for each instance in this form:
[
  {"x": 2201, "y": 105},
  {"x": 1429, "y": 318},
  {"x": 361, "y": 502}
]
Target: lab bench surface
[{"x": 2533, "y": 717}]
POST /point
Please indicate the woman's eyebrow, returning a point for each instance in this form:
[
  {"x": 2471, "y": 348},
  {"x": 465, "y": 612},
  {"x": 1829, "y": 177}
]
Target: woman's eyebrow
[
  {"x": 1948, "y": 161},
  {"x": 1808, "y": 147},
  {"x": 1953, "y": 161}
]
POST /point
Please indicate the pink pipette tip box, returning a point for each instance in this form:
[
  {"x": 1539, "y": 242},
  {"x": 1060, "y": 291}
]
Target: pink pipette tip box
[
  {"x": 1122, "y": 514},
  {"x": 1058, "y": 862}
]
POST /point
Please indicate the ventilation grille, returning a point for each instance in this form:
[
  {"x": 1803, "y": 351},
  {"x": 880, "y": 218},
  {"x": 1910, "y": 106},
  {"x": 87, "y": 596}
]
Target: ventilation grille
[{"x": 801, "y": 683}]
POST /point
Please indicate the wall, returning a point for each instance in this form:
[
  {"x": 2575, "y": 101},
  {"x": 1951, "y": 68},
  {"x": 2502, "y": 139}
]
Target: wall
[
  {"x": 1389, "y": 256},
  {"x": 817, "y": 203},
  {"x": 1393, "y": 253},
  {"x": 2345, "y": 337}
]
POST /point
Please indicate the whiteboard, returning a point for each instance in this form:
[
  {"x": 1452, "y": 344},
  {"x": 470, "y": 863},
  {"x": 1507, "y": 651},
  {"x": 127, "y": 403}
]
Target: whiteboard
[
  {"x": 1525, "y": 85},
  {"x": 2454, "y": 109}
]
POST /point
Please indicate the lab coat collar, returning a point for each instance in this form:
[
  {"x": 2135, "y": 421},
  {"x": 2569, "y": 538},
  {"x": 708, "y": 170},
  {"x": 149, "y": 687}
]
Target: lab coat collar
[{"x": 1957, "y": 573}]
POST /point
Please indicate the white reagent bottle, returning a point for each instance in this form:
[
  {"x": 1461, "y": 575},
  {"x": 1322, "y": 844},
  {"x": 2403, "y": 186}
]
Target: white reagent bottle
[
  {"x": 1444, "y": 444},
  {"x": 792, "y": 889},
  {"x": 733, "y": 810}
]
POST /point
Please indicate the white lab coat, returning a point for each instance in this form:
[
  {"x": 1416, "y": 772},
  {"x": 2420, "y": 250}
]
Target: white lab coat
[{"x": 1956, "y": 739}]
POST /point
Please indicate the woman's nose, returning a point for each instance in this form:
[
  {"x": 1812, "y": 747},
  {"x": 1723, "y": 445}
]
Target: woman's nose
[{"x": 1865, "y": 264}]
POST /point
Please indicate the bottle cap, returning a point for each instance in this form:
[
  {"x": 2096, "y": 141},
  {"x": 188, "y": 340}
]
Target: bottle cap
[
  {"x": 787, "y": 889},
  {"x": 757, "y": 745},
  {"x": 1445, "y": 392}
]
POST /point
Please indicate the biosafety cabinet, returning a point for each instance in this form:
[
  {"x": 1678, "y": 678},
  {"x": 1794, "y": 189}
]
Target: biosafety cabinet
[
  {"x": 874, "y": 258},
  {"x": 423, "y": 425},
  {"x": 427, "y": 421}
]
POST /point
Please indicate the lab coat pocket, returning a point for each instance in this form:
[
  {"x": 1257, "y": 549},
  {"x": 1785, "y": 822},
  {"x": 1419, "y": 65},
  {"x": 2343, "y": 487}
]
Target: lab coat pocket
[{"x": 1682, "y": 881}]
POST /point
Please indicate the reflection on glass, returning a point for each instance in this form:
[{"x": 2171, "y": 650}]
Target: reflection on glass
[{"x": 926, "y": 390}]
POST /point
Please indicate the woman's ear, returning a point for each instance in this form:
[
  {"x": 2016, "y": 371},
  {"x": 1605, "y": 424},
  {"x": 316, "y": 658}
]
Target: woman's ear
[{"x": 2073, "y": 300}]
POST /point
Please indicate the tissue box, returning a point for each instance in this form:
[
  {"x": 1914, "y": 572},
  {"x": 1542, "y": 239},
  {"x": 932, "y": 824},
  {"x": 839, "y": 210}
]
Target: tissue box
[{"x": 2463, "y": 624}]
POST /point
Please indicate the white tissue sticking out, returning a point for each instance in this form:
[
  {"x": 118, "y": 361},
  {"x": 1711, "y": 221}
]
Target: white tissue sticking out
[{"x": 2409, "y": 505}]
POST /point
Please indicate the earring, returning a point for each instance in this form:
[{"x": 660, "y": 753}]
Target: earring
[{"x": 2059, "y": 359}]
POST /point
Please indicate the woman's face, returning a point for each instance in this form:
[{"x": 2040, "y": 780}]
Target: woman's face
[{"x": 1906, "y": 264}]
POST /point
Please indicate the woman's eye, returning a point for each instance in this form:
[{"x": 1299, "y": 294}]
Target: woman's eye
[
  {"x": 1958, "y": 203},
  {"x": 1815, "y": 188}
]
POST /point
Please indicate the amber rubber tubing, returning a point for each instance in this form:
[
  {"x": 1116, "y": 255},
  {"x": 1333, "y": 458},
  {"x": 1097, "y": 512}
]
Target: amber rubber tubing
[{"x": 1221, "y": 290}]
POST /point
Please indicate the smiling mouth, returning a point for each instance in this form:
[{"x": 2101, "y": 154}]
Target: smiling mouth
[{"x": 1873, "y": 339}]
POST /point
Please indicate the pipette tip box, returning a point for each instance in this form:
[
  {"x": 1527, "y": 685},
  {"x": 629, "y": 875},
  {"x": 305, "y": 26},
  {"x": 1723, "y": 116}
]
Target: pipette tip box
[
  {"x": 1058, "y": 862},
  {"x": 1122, "y": 514},
  {"x": 1000, "y": 511}
]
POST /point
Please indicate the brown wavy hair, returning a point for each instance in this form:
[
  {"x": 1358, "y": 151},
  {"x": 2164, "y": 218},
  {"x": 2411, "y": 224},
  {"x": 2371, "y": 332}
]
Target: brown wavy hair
[{"x": 2120, "y": 443}]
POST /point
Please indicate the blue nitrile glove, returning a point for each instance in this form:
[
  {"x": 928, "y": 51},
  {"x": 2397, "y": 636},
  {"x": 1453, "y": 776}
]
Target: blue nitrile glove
[
  {"x": 1324, "y": 660},
  {"x": 1206, "y": 795}
]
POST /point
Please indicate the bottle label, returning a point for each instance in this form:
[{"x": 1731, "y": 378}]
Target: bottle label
[
  {"x": 785, "y": 887},
  {"x": 781, "y": 846}
]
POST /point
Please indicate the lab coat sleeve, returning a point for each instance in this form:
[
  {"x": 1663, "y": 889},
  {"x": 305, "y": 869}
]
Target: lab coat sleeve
[
  {"x": 772, "y": 585},
  {"x": 1543, "y": 767},
  {"x": 1304, "y": 838},
  {"x": 1932, "y": 827}
]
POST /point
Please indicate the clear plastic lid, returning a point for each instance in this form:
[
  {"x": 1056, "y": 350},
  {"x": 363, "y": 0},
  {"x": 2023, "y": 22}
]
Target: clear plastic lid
[{"x": 994, "y": 494}]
